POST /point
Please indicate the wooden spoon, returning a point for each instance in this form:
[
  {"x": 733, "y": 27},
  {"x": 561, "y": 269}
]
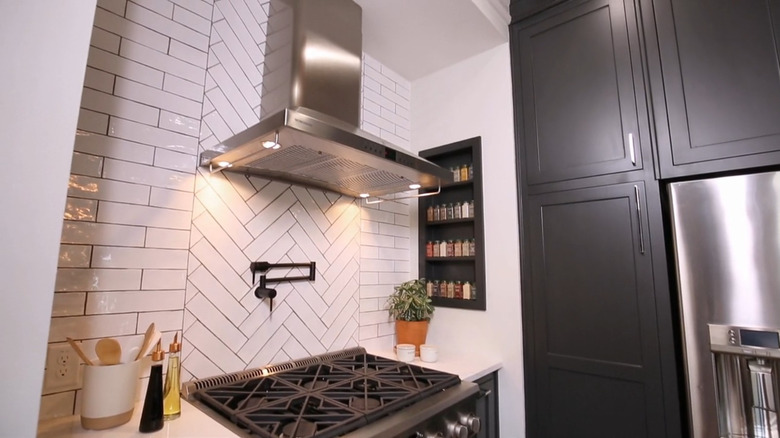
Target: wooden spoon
[
  {"x": 149, "y": 341},
  {"x": 79, "y": 351},
  {"x": 108, "y": 351}
]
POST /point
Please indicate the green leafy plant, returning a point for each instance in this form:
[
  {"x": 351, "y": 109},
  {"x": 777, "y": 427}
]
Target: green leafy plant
[{"x": 410, "y": 302}]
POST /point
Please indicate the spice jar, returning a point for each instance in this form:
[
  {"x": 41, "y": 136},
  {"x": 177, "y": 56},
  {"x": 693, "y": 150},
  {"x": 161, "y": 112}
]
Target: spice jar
[
  {"x": 471, "y": 171},
  {"x": 464, "y": 209},
  {"x": 450, "y": 211},
  {"x": 443, "y": 212},
  {"x": 429, "y": 213},
  {"x": 429, "y": 249},
  {"x": 455, "y": 173},
  {"x": 456, "y": 211},
  {"x": 450, "y": 289},
  {"x": 443, "y": 248},
  {"x": 464, "y": 172},
  {"x": 466, "y": 290},
  {"x": 457, "y": 251},
  {"x": 450, "y": 248},
  {"x": 472, "y": 248},
  {"x": 429, "y": 288},
  {"x": 458, "y": 293},
  {"x": 471, "y": 208},
  {"x": 435, "y": 249}
]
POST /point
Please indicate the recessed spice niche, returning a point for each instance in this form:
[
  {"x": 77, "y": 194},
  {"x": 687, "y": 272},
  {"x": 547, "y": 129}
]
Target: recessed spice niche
[{"x": 451, "y": 229}]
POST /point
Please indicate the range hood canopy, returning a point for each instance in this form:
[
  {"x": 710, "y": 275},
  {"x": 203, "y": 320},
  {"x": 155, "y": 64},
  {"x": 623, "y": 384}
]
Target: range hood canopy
[{"x": 310, "y": 110}]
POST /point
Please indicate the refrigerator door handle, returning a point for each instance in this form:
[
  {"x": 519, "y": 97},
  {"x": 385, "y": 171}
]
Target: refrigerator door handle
[{"x": 639, "y": 220}]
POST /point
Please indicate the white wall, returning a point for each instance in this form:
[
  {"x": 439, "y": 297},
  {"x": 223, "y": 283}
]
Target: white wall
[
  {"x": 474, "y": 98},
  {"x": 41, "y": 78}
]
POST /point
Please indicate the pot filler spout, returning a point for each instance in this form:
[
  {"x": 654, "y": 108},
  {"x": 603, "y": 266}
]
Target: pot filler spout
[{"x": 310, "y": 110}]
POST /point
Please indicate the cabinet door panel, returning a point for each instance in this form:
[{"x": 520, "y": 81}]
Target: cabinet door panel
[
  {"x": 578, "y": 95},
  {"x": 719, "y": 63},
  {"x": 594, "y": 312}
]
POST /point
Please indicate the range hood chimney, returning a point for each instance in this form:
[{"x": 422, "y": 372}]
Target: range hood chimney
[{"x": 310, "y": 110}]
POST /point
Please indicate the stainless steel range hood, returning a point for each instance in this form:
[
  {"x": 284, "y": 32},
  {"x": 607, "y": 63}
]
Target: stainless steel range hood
[{"x": 310, "y": 110}]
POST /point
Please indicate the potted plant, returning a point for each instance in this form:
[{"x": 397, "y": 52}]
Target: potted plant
[{"x": 412, "y": 309}]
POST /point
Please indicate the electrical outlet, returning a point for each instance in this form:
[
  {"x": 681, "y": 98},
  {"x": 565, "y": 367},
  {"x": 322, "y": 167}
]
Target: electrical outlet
[{"x": 63, "y": 369}]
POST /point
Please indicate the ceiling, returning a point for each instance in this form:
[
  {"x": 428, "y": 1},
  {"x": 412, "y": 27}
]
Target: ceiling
[{"x": 415, "y": 38}]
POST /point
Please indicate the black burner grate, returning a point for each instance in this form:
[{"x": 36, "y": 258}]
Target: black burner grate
[{"x": 326, "y": 399}]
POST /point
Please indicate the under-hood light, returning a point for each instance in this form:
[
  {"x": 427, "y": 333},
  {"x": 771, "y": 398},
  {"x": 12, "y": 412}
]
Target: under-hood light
[
  {"x": 272, "y": 144},
  {"x": 414, "y": 186},
  {"x": 419, "y": 195}
]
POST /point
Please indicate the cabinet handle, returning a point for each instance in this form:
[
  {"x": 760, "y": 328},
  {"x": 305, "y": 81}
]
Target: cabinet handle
[
  {"x": 639, "y": 219},
  {"x": 484, "y": 394},
  {"x": 631, "y": 148}
]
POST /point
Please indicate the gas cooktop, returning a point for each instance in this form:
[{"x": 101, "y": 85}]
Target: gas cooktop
[{"x": 323, "y": 396}]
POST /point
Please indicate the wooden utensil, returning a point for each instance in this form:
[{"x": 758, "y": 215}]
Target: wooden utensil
[
  {"x": 150, "y": 338},
  {"x": 79, "y": 351},
  {"x": 109, "y": 351}
]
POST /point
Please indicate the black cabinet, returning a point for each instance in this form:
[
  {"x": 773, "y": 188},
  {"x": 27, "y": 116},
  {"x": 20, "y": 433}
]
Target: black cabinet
[
  {"x": 578, "y": 83},
  {"x": 520, "y": 9},
  {"x": 597, "y": 370},
  {"x": 716, "y": 84},
  {"x": 487, "y": 406},
  {"x": 462, "y": 232}
]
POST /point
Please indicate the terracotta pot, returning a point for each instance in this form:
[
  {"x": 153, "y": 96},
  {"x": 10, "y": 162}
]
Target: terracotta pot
[{"x": 411, "y": 332}]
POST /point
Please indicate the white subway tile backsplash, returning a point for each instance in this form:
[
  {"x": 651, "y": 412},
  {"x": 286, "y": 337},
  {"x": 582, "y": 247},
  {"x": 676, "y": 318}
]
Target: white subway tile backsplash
[
  {"x": 99, "y": 80},
  {"x": 164, "y": 8},
  {"x": 377, "y": 216},
  {"x": 115, "y": 6},
  {"x": 212, "y": 347},
  {"x": 371, "y": 129},
  {"x": 127, "y": 214},
  {"x": 369, "y": 278},
  {"x": 115, "y": 106},
  {"x": 150, "y": 135},
  {"x": 258, "y": 10},
  {"x": 370, "y": 305},
  {"x": 292, "y": 349},
  {"x": 138, "y": 258},
  {"x": 97, "y": 188},
  {"x": 339, "y": 274},
  {"x": 104, "y": 40},
  {"x": 229, "y": 276},
  {"x": 373, "y": 265},
  {"x": 266, "y": 195},
  {"x": 156, "y": 279},
  {"x": 227, "y": 113},
  {"x": 402, "y": 242},
  {"x": 389, "y": 254},
  {"x": 173, "y": 199},
  {"x": 376, "y": 75},
  {"x": 271, "y": 213},
  {"x": 164, "y": 321},
  {"x": 99, "y": 303},
  {"x": 200, "y": 7},
  {"x": 188, "y": 54},
  {"x": 340, "y": 297},
  {"x": 393, "y": 277},
  {"x": 216, "y": 123},
  {"x": 375, "y": 317},
  {"x": 401, "y": 123},
  {"x": 344, "y": 223},
  {"x": 372, "y": 84},
  {"x": 368, "y": 252},
  {"x": 77, "y": 209},
  {"x": 222, "y": 214},
  {"x": 198, "y": 365},
  {"x": 302, "y": 334},
  {"x": 75, "y": 280},
  {"x": 92, "y": 326},
  {"x": 85, "y": 164},
  {"x": 389, "y": 92},
  {"x": 377, "y": 240},
  {"x": 228, "y": 194},
  {"x": 156, "y": 98},
  {"x": 148, "y": 176},
  {"x": 368, "y": 331},
  {"x": 125, "y": 68},
  {"x": 345, "y": 242},
  {"x": 162, "y": 238},
  {"x": 243, "y": 33},
  {"x": 131, "y": 31},
  {"x": 394, "y": 139},
  {"x": 172, "y": 160},
  {"x": 74, "y": 256},
  {"x": 306, "y": 314},
  {"x": 68, "y": 304},
  {"x": 182, "y": 87},
  {"x": 237, "y": 82},
  {"x": 241, "y": 184},
  {"x": 166, "y": 26},
  {"x": 379, "y": 291},
  {"x": 76, "y": 232},
  {"x": 222, "y": 242},
  {"x": 160, "y": 60},
  {"x": 217, "y": 323},
  {"x": 270, "y": 352},
  {"x": 216, "y": 293},
  {"x": 369, "y": 226},
  {"x": 395, "y": 77},
  {"x": 104, "y": 146},
  {"x": 192, "y": 20},
  {"x": 378, "y": 99}
]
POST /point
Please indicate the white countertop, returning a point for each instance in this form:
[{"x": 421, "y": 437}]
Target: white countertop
[{"x": 195, "y": 424}]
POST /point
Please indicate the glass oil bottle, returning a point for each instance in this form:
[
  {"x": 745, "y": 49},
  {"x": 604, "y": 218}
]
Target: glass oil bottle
[{"x": 172, "y": 397}]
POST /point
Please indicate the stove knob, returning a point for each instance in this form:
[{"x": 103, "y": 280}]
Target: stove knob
[
  {"x": 457, "y": 430},
  {"x": 471, "y": 421}
]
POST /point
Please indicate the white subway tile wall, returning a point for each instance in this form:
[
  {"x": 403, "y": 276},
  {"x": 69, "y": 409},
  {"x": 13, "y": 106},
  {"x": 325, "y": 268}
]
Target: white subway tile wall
[{"x": 147, "y": 237}]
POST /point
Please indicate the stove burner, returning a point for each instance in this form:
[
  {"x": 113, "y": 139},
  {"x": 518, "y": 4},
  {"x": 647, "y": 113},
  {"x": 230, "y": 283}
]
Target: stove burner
[
  {"x": 299, "y": 429},
  {"x": 366, "y": 385},
  {"x": 315, "y": 384},
  {"x": 364, "y": 404},
  {"x": 416, "y": 384}
]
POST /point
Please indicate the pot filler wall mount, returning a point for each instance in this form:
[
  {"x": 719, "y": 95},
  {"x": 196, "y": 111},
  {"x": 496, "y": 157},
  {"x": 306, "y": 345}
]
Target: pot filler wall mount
[{"x": 310, "y": 110}]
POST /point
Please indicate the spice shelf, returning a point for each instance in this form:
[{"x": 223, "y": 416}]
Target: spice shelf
[{"x": 458, "y": 273}]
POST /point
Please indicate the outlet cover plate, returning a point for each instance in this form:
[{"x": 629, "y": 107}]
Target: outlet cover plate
[{"x": 63, "y": 369}]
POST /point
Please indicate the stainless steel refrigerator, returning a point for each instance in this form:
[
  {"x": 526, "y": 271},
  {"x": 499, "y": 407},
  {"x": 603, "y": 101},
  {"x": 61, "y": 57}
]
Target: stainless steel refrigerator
[{"x": 727, "y": 249}]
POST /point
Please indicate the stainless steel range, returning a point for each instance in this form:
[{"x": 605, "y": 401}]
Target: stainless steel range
[{"x": 349, "y": 393}]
